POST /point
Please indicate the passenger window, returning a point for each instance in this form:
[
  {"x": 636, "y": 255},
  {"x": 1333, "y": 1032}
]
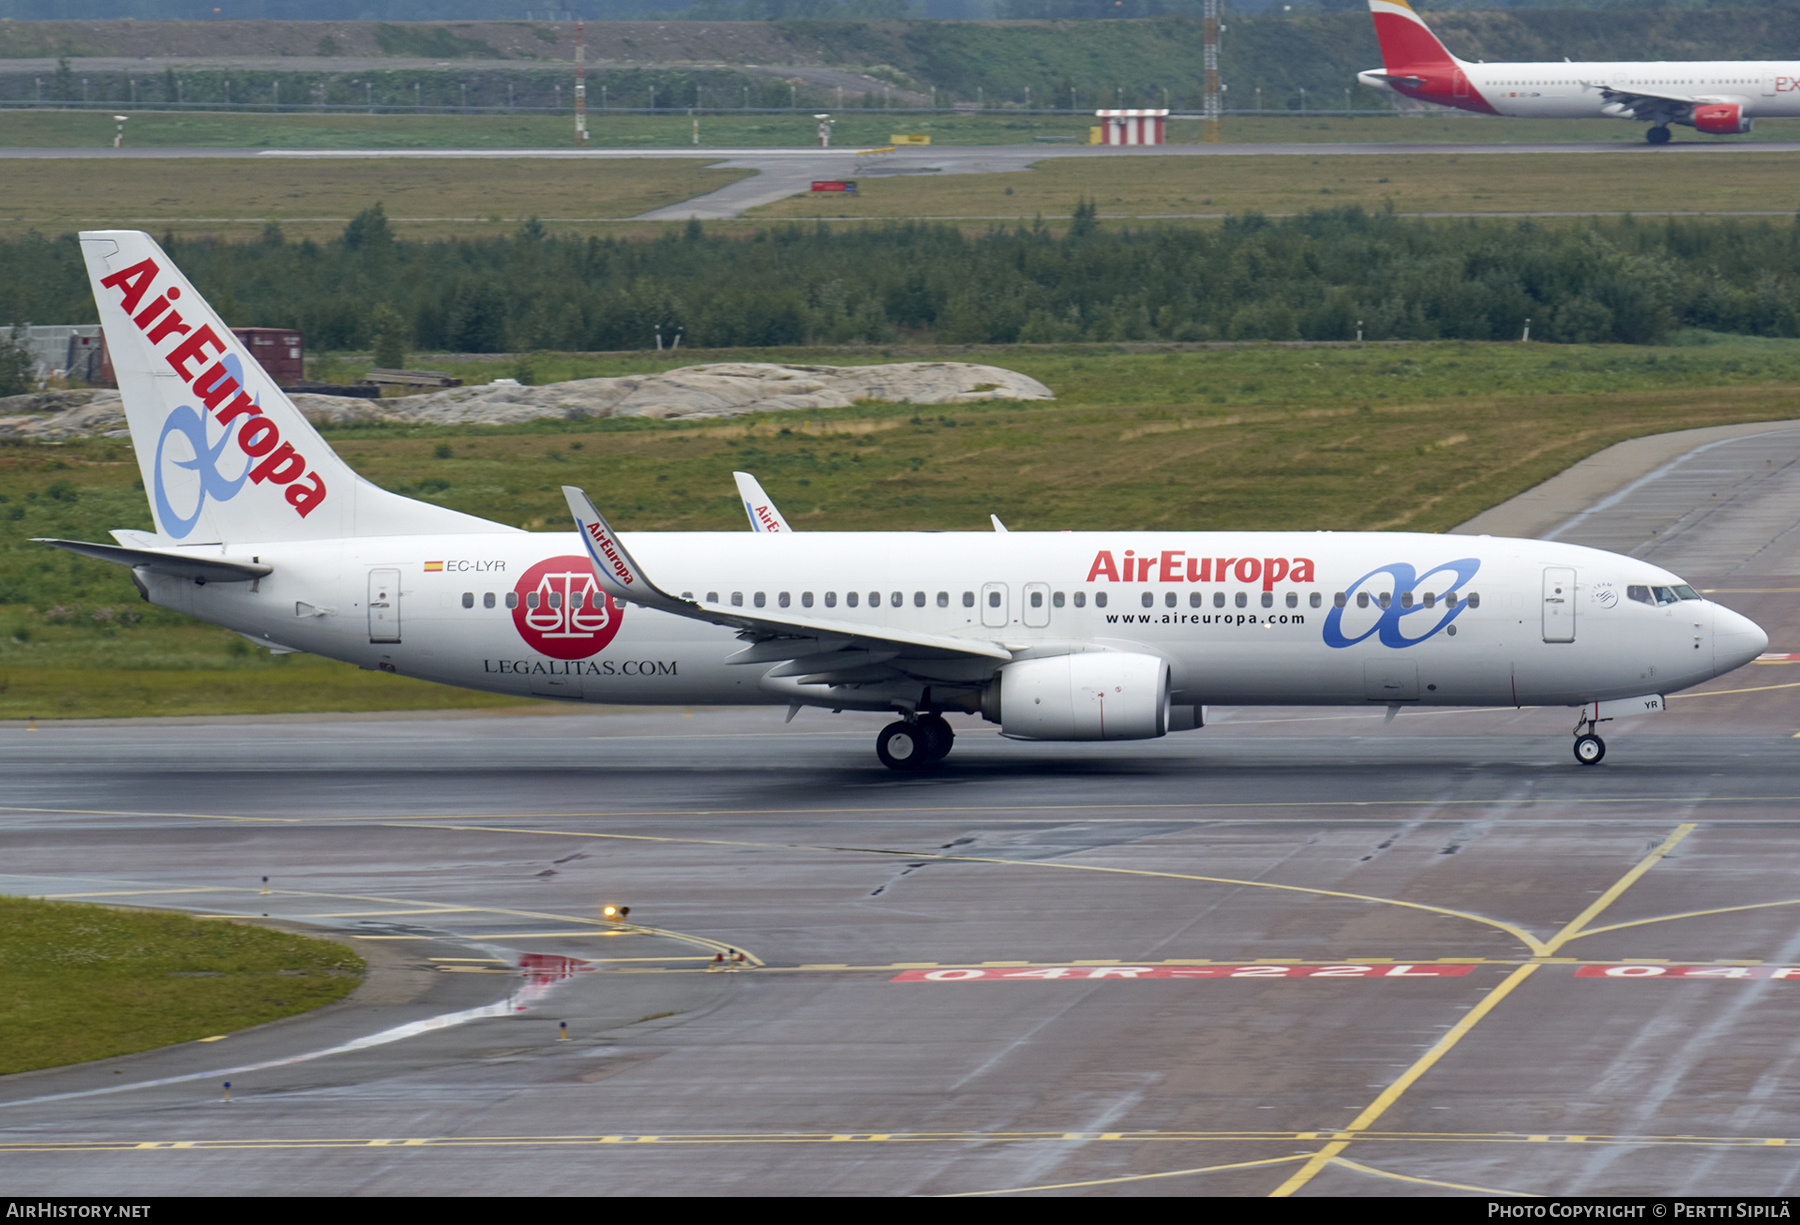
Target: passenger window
[
  {"x": 1268, "y": 599},
  {"x": 993, "y": 599},
  {"x": 806, "y": 599},
  {"x": 1362, "y": 600},
  {"x": 968, "y": 599},
  {"x": 1081, "y": 599},
  {"x": 487, "y": 599},
  {"x": 712, "y": 597},
  {"x": 1314, "y": 600},
  {"x": 1037, "y": 599},
  {"x": 1293, "y": 599},
  {"x": 737, "y": 599},
  {"x": 1406, "y": 599},
  {"x": 874, "y": 599},
  {"x": 1194, "y": 598},
  {"x": 850, "y": 598},
  {"x": 897, "y": 599},
  {"x": 759, "y": 599},
  {"x": 918, "y": 599},
  {"x": 943, "y": 599},
  {"x": 784, "y": 599},
  {"x": 468, "y": 599},
  {"x": 1431, "y": 599},
  {"x": 556, "y": 599},
  {"x": 531, "y": 601},
  {"x": 1450, "y": 599},
  {"x": 1243, "y": 600},
  {"x": 1386, "y": 600},
  {"x": 512, "y": 599},
  {"x": 1218, "y": 599},
  {"x": 1169, "y": 599},
  {"x": 831, "y": 599},
  {"x": 1099, "y": 599},
  {"x": 1148, "y": 600},
  {"x": 1056, "y": 600},
  {"x": 1474, "y": 599}
]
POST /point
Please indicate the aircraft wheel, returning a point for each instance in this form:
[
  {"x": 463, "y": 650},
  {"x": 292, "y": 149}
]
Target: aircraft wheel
[
  {"x": 903, "y": 746},
  {"x": 1589, "y": 749},
  {"x": 1656, "y": 136},
  {"x": 939, "y": 737}
]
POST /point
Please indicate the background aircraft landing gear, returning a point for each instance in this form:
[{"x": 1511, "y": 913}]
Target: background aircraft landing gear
[{"x": 1658, "y": 135}]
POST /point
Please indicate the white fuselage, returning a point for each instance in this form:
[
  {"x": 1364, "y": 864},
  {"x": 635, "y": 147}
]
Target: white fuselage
[
  {"x": 1560, "y": 90},
  {"x": 1468, "y": 620}
]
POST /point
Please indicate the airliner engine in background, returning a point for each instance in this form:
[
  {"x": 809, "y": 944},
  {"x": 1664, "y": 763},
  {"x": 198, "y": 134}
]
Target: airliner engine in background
[
  {"x": 261, "y": 528},
  {"x": 1720, "y": 97}
]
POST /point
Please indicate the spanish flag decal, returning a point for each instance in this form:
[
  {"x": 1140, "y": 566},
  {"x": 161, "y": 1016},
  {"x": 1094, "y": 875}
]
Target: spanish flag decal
[{"x": 434, "y": 567}]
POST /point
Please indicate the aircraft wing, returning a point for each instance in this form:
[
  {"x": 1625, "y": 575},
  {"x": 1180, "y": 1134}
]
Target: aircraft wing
[
  {"x": 774, "y": 637},
  {"x": 759, "y": 506}
]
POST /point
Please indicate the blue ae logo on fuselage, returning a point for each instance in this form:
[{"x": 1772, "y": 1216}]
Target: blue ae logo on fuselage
[
  {"x": 190, "y": 423},
  {"x": 1391, "y": 622}
]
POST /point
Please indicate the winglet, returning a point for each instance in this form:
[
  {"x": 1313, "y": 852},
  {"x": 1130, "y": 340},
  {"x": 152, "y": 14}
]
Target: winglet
[
  {"x": 759, "y": 506},
  {"x": 998, "y": 526},
  {"x": 614, "y": 566}
]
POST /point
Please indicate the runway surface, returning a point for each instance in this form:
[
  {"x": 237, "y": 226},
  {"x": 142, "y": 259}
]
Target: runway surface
[
  {"x": 1301, "y": 951},
  {"x": 782, "y": 172}
]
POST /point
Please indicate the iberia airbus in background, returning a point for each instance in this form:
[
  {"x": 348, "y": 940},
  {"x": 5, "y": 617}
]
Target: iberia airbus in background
[
  {"x": 261, "y": 528},
  {"x": 1721, "y": 97}
]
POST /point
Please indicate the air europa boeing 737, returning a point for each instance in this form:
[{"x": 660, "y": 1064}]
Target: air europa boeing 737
[
  {"x": 1054, "y": 636},
  {"x": 1721, "y": 97}
]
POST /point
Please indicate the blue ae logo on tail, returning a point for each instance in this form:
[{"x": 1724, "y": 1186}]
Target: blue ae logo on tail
[{"x": 190, "y": 423}]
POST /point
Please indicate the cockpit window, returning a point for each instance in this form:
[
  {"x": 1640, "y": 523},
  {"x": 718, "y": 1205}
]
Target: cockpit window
[
  {"x": 1687, "y": 593},
  {"x": 1659, "y": 595}
]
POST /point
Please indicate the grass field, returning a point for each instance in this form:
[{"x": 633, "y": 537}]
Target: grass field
[
  {"x": 617, "y": 129},
  {"x": 1377, "y": 437},
  {"x": 1421, "y": 182},
  {"x": 424, "y": 199},
  {"x": 315, "y": 199},
  {"x": 80, "y": 982}
]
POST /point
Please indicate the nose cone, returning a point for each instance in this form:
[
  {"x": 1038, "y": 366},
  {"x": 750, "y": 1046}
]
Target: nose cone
[{"x": 1736, "y": 640}]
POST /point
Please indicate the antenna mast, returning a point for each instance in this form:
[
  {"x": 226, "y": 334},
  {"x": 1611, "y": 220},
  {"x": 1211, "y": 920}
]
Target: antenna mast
[
  {"x": 1210, "y": 38},
  {"x": 581, "y": 82}
]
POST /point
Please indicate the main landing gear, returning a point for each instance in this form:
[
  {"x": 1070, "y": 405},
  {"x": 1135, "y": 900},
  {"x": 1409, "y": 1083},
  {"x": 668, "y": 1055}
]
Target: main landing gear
[
  {"x": 1589, "y": 748},
  {"x": 1658, "y": 135},
  {"x": 915, "y": 744}
]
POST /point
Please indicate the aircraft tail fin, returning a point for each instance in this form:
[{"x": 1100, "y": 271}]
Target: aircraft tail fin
[
  {"x": 224, "y": 453},
  {"x": 1407, "y": 43}
]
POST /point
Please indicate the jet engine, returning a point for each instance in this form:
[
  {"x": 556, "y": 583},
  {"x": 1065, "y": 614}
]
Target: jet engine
[
  {"x": 1721, "y": 118},
  {"x": 1096, "y": 695}
]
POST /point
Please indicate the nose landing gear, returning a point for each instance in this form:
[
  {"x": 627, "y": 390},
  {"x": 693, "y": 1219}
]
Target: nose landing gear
[
  {"x": 1589, "y": 748},
  {"x": 914, "y": 745}
]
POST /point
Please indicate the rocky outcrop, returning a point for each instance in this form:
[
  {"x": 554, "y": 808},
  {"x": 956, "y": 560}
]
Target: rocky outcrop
[{"x": 727, "y": 389}]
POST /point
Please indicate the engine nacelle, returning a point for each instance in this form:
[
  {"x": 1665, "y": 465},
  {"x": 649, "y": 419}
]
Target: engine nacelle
[
  {"x": 1721, "y": 118},
  {"x": 1095, "y": 695}
]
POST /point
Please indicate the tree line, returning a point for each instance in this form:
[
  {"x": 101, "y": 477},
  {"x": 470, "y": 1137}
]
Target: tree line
[{"x": 1324, "y": 275}]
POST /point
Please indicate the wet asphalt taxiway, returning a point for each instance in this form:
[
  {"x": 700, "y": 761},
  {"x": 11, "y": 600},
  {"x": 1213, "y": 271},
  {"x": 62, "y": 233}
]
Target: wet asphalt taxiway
[{"x": 1301, "y": 951}]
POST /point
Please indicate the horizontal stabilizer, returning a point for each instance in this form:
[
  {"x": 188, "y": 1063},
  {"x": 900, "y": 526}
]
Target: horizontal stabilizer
[{"x": 175, "y": 565}]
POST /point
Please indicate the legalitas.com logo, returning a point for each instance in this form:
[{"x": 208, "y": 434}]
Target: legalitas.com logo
[{"x": 561, "y": 610}]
